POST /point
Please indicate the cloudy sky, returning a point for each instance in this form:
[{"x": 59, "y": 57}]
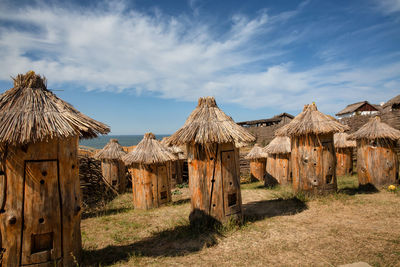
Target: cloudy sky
[{"x": 140, "y": 65}]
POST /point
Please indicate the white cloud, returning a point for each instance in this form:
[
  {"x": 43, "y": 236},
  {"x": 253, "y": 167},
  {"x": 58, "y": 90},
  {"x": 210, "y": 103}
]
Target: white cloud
[
  {"x": 389, "y": 6},
  {"x": 120, "y": 50}
]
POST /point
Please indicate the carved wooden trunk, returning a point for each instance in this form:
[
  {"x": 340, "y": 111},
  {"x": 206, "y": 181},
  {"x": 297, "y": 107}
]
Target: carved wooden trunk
[
  {"x": 257, "y": 169},
  {"x": 344, "y": 161},
  {"x": 377, "y": 163},
  {"x": 40, "y": 211},
  {"x": 150, "y": 185},
  {"x": 278, "y": 169},
  {"x": 313, "y": 163},
  {"x": 214, "y": 182},
  {"x": 114, "y": 173}
]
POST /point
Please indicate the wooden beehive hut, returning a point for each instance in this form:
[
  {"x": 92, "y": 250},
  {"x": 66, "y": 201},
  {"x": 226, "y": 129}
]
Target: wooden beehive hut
[
  {"x": 40, "y": 210},
  {"x": 176, "y": 166},
  {"x": 313, "y": 159},
  {"x": 257, "y": 159},
  {"x": 377, "y": 162},
  {"x": 344, "y": 151},
  {"x": 278, "y": 161},
  {"x": 112, "y": 166},
  {"x": 149, "y": 168},
  {"x": 213, "y": 161}
]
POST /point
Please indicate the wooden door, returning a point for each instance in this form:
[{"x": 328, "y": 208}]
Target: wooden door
[
  {"x": 42, "y": 223},
  {"x": 164, "y": 192},
  {"x": 231, "y": 185}
]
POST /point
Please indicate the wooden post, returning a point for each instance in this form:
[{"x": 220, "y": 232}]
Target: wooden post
[
  {"x": 150, "y": 185},
  {"x": 257, "y": 169},
  {"x": 114, "y": 173},
  {"x": 377, "y": 162},
  {"x": 41, "y": 210},
  {"x": 313, "y": 162},
  {"x": 214, "y": 182},
  {"x": 344, "y": 161}
]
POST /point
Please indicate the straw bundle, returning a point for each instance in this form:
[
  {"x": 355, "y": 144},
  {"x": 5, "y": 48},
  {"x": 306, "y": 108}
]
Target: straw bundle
[
  {"x": 31, "y": 113},
  {"x": 375, "y": 129},
  {"x": 149, "y": 151},
  {"x": 279, "y": 145},
  {"x": 342, "y": 141},
  {"x": 311, "y": 121},
  {"x": 113, "y": 150},
  {"x": 256, "y": 153},
  {"x": 208, "y": 124}
]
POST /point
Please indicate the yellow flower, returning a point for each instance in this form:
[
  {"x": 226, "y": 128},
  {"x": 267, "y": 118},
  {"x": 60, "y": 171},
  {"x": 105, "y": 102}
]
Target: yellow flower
[{"x": 391, "y": 188}]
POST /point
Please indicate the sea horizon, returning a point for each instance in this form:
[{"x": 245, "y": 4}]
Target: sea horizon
[{"x": 123, "y": 139}]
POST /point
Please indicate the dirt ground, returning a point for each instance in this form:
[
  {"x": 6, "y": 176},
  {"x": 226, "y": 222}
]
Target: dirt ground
[{"x": 279, "y": 229}]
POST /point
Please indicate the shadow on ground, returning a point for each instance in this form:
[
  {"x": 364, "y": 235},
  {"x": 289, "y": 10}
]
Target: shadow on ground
[
  {"x": 184, "y": 239},
  {"x": 361, "y": 189},
  {"x": 258, "y": 210},
  {"x": 105, "y": 212}
]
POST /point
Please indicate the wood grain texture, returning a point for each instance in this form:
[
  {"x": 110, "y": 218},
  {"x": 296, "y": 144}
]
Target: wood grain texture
[
  {"x": 42, "y": 204},
  {"x": 377, "y": 163},
  {"x": 313, "y": 163},
  {"x": 214, "y": 182},
  {"x": 114, "y": 173},
  {"x": 257, "y": 169},
  {"x": 150, "y": 185},
  {"x": 344, "y": 161}
]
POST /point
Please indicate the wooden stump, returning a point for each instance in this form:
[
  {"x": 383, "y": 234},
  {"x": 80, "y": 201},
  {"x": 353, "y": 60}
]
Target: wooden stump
[
  {"x": 150, "y": 185},
  {"x": 313, "y": 162},
  {"x": 41, "y": 207},
  {"x": 257, "y": 169},
  {"x": 344, "y": 161},
  {"x": 214, "y": 182},
  {"x": 114, "y": 173},
  {"x": 377, "y": 163},
  {"x": 278, "y": 169}
]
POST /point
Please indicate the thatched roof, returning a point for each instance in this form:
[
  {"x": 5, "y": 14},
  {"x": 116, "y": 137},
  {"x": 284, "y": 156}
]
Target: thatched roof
[
  {"x": 31, "y": 113},
  {"x": 256, "y": 153},
  {"x": 311, "y": 121},
  {"x": 279, "y": 145},
  {"x": 394, "y": 101},
  {"x": 113, "y": 150},
  {"x": 176, "y": 150},
  {"x": 355, "y": 106},
  {"x": 149, "y": 151},
  {"x": 208, "y": 124},
  {"x": 375, "y": 129},
  {"x": 341, "y": 140}
]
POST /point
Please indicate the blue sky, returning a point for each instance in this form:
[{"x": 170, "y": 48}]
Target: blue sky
[{"x": 140, "y": 65}]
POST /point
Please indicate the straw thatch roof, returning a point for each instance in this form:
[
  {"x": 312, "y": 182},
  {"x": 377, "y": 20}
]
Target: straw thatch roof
[
  {"x": 256, "y": 153},
  {"x": 279, "y": 145},
  {"x": 341, "y": 141},
  {"x": 31, "y": 113},
  {"x": 394, "y": 101},
  {"x": 149, "y": 151},
  {"x": 311, "y": 121},
  {"x": 176, "y": 150},
  {"x": 208, "y": 124},
  {"x": 375, "y": 129},
  {"x": 112, "y": 151},
  {"x": 355, "y": 106}
]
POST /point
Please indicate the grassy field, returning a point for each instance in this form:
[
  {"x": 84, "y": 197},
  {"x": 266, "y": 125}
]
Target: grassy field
[{"x": 280, "y": 229}]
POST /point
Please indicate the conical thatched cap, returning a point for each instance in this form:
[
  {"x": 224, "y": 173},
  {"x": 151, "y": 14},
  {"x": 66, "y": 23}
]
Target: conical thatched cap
[
  {"x": 279, "y": 145},
  {"x": 341, "y": 141},
  {"x": 149, "y": 151},
  {"x": 176, "y": 150},
  {"x": 256, "y": 153},
  {"x": 112, "y": 151},
  {"x": 208, "y": 124},
  {"x": 311, "y": 121},
  {"x": 31, "y": 113},
  {"x": 375, "y": 129}
]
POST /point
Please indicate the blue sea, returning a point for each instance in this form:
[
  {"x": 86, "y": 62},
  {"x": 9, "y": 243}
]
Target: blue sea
[{"x": 124, "y": 140}]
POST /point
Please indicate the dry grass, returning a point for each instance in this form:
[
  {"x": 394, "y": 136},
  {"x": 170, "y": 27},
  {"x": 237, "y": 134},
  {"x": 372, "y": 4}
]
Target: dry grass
[{"x": 280, "y": 229}]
